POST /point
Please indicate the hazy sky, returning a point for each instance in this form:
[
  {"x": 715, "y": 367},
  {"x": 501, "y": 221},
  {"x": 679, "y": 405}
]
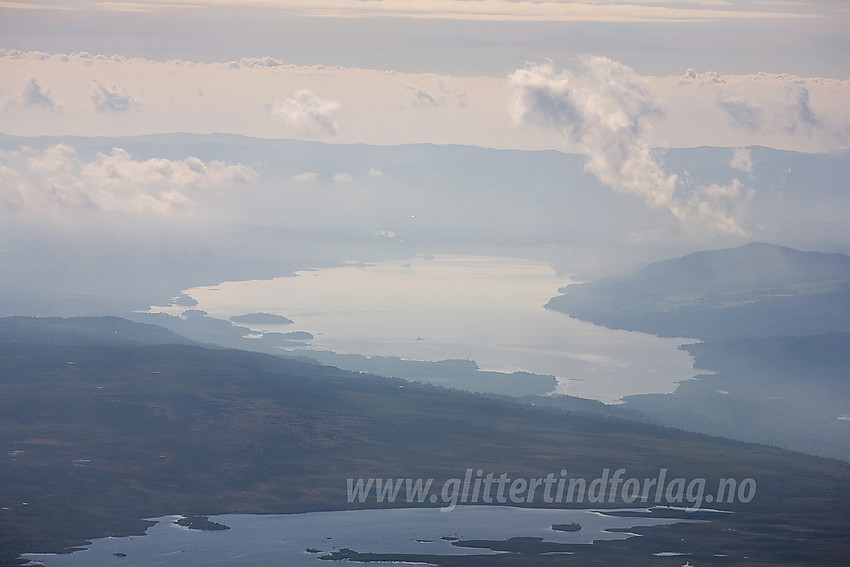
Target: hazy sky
[
  {"x": 494, "y": 73},
  {"x": 610, "y": 81}
]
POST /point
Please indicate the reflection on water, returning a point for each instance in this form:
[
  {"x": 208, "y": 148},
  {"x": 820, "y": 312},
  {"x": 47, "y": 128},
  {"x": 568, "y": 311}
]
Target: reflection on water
[
  {"x": 298, "y": 540},
  {"x": 456, "y": 307}
]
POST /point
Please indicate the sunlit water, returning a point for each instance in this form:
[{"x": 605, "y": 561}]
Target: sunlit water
[
  {"x": 449, "y": 307},
  {"x": 286, "y": 539}
]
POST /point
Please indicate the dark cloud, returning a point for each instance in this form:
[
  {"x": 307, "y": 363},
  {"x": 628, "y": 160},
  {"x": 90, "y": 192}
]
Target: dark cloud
[
  {"x": 104, "y": 99},
  {"x": 33, "y": 95},
  {"x": 422, "y": 96},
  {"x": 798, "y": 112},
  {"x": 741, "y": 112},
  {"x": 789, "y": 112},
  {"x": 442, "y": 92}
]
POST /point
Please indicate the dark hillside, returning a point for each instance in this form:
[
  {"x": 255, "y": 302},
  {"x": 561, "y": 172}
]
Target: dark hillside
[
  {"x": 751, "y": 291},
  {"x": 85, "y": 330},
  {"x": 791, "y": 392},
  {"x": 94, "y": 437}
]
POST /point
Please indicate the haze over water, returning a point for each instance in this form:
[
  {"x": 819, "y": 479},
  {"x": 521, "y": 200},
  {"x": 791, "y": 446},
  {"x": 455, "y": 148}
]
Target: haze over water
[{"x": 486, "y": 309}]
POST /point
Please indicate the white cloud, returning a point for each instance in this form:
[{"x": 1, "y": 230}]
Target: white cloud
[
  {"x": 718, "y": 207},
  {"x": 258, "y": 62},
  {"x": 307, "y": 115},
  {"x": 113, "y": 99},
  {"x": 342, "y": 178},
  {"x": 606, "y": 112},
  {"x": 57, "y": 178},
  {"x": 373, "y": 172}
]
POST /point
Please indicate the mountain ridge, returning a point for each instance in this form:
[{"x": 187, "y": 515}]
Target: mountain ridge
[{"x": 753, "y": 290}]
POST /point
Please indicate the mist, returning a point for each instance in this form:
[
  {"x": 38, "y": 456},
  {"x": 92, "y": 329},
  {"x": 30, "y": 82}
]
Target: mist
[{"x": 155, "y": 215}]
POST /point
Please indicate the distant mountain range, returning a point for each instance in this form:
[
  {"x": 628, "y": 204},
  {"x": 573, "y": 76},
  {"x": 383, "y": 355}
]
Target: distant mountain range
[{"x": 306, "y": 205}]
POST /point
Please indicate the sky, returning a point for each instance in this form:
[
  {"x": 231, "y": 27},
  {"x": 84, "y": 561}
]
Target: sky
[
  {"x": 491, "y": 73},
  {"x": 608, "y": 81}
]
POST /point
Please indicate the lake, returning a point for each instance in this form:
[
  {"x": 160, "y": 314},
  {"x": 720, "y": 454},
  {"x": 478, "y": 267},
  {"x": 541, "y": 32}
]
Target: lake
[
  {"x": 286, "y": 539},
  {"x": 487, "y": 309}
]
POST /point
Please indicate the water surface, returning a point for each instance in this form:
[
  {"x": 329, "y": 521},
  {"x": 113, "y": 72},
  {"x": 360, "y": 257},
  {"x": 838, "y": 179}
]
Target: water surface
[
  {"x": 487, "y": 309},
  {"x": 286, "y": 539}
]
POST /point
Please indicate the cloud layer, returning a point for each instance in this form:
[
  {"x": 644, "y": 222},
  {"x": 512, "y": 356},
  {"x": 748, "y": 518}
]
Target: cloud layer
[
  {"x": 503, "y": 10},
  {"x": 606, "y": 111},
  {"x": 94, "y": 95}
]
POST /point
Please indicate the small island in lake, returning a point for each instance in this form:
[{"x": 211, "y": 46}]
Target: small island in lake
[{"x": 200, "y": 523}]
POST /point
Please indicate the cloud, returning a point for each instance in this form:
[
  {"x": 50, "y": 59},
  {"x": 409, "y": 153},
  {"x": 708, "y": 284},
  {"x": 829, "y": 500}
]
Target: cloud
[
  {"x": 307, "y": 176},
  {"x": 742, "y": 160},
  {"x": 788, "y": 112},
  {"x": 441, "y": 93},
  {"x": 259, "y": 62},
  {"x": 501, "y": 10},
  {"x": 718, "y": 207},
  {"x": 57, "y": 178},
  {"x": 307, "y": 115},
  {"x": 605, "y": 112},
  {"x": 796, "y": 110},
  {"x": 374, "y": 172},
  {"x": 104, "y": 99},
  {"x": 741, "y": 112},
  {"x": 33, "y": 95},
  {"x": 377, "y": 106},
  {"x": 421, "y": 96},
  {"x": 342, "y": 178}
]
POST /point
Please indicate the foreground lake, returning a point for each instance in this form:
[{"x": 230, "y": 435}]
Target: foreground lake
[{"x": 298, "y": 540}]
